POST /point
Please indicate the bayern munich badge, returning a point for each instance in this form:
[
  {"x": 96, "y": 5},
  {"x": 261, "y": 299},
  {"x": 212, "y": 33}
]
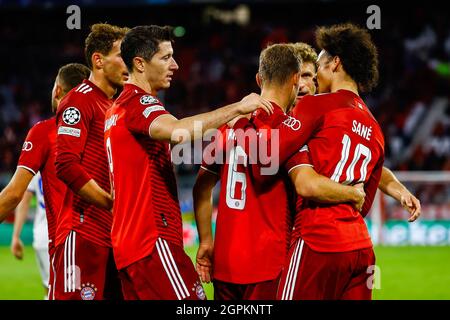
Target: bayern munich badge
[
  {"x": 88, "y": 291},
  {"x": 198, "y": 289}
]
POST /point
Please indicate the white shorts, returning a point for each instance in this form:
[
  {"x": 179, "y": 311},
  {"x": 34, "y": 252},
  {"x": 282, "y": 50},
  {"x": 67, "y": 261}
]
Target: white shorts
[{"x": 43, "y": 261}]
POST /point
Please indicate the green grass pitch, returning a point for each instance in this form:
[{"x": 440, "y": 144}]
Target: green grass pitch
[{"x": 406, "y": 273}]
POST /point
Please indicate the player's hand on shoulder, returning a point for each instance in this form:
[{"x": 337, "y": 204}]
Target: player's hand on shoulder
[
  {"x": 360, "y": 196},
  {"x": 233, "y": 122},
  {"x": 252, "y": 102}
]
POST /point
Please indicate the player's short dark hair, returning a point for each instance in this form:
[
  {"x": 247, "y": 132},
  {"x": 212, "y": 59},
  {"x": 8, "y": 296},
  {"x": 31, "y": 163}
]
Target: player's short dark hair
[
  {"x": 143, "y": 41},
  {"x": 101, "y": 39},
  {"x": 306, "y": 52},
  {"x": 277, "y": 63},
  {"x": 354, "y": 46},
  {"x": 71, "y": 75}
]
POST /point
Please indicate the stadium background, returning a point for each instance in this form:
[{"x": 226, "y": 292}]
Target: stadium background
[{"x": 217, "y": 48}]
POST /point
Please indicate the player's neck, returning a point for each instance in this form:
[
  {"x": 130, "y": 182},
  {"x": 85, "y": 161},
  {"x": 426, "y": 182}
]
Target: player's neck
[
  {"x": 100, "y": 81},
  {"x": 140, "y": 81},
  {"x": 276, "y": 95},
  {"x": 344, "y": 83}
]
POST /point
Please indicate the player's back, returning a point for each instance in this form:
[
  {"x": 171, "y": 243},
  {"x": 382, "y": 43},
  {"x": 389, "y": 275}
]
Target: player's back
[
  {"x": 81, "y": 117},
  {"x": 348, "y": 147},
  {"x": 145, "y": 193},
  {"x": 253, "y": 220}
]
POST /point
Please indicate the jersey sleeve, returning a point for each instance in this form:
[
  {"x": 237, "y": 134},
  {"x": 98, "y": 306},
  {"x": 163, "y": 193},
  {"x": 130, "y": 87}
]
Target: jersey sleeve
[
  {"x": 73, "y": 119},
  {"x": 142, "y": 112},
  {"x": 299, "y": 159},
  {"x": 34, "y": 149}
]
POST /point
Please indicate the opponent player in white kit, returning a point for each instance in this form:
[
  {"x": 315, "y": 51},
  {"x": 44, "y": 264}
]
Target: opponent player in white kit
[{"x": 40, "y": 229}]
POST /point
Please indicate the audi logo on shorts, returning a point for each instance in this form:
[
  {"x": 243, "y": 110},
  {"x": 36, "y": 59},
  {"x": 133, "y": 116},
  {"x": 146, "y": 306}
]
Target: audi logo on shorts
[
  {"x": 293, "y": 123},
  {"x": 27, "y": 146}
]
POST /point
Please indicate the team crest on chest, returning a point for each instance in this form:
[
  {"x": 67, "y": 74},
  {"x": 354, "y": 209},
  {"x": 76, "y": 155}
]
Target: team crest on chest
[
  {"x": 148, "y": 99},
  {"x": 71, "y": 116}
]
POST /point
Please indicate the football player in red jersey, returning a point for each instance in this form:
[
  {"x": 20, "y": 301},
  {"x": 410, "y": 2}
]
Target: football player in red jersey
[
  {"x": 253, "y": 222},
  {"x": 389, "y": 184},
  {"x": 332, "y": 252},
  {"x": 84, "y": 224},
  {"x": 147, "y": 227},
  {"x": 38, "y": 154},
  {"x": 337, "y": 126}
]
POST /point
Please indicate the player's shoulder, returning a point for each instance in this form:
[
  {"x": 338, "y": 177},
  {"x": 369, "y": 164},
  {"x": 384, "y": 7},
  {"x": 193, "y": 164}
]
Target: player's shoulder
[
  {"x": 44, "y": 125},
  {"x": 80, "y": 97},
  {"x": 145, "y": 103}
]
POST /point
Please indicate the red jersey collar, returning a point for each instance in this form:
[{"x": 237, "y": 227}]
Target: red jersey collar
[{"x": 96, "y": 89}]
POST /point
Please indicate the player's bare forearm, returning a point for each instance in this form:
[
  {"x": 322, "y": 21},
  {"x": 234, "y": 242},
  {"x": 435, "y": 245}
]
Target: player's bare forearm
[
  {"x": 390, "y": 185},
  {"x": 203, "y": 205},
  {"x": 21, "y": 214},
  {"x": 169, "y": 128},
  {"x": 311, "y": 185},
  {"x": 94, "y": 194},
  {"x": 12, "y": 194}
]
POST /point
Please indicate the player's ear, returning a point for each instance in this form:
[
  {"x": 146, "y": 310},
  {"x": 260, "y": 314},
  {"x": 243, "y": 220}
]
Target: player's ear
[
  {"x": 258, "y": 80},
  {"x": 59, "y": 91},
  {"x": 97, "y": 60},
  {"x": 336, "y": 62},
  {"x": 138, "y": 63}
]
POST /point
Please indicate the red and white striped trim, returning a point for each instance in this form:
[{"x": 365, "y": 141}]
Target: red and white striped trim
[
  {"x": 84, "y": 88},
  {"x": 27, "y": 168},
  {"x": 171, "y": 269},
  {"x": 289, "y": 285},
  {"x": 69, "y": 263}
]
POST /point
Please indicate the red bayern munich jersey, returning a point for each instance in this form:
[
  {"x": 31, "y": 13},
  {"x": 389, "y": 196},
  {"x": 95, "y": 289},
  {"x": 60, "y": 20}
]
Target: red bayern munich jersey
[
  {"x": 38, "y": 154},
  {"x": 80, "y": 157},
  {"x": 346, "y": 144},
  {"x": 145, "y": 192},
  {"x": 253, "y": 221}
]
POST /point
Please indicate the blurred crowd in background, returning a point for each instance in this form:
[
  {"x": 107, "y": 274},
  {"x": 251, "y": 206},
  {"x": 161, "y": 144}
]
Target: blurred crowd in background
[{"x": 218, "y": 58}]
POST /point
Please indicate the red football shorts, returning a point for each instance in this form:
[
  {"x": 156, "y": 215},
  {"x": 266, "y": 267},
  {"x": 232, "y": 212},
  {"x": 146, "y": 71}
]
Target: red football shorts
[
  {"x": 166, "y": 274},
  {"x": 84, "y": 271},
  {"x": 266, "y": 290},
  {"x": 311, "y": 275}
]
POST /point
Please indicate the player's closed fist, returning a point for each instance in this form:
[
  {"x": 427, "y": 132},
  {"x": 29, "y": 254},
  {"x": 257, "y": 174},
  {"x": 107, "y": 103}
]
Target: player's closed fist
[{"x": 17, "y": 248}]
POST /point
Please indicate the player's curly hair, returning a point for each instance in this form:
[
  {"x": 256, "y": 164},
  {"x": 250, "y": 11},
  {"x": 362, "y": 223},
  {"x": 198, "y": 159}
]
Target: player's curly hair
[
  {"x": 278, "y": 62},
  {"x": 143, "y": 41},
  {"x": 101, "y": 39},
  {"x": 306, "y": 52},
  {"x": 354, "y": 46}
]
